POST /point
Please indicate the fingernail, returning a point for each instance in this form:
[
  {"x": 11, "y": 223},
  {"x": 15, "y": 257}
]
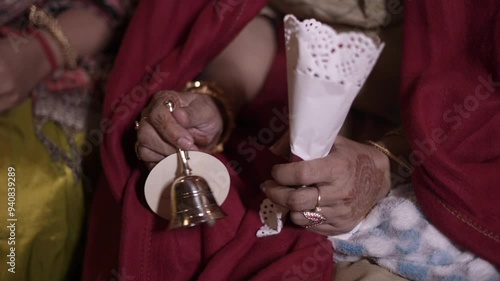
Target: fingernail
[
  {"x": 185, "y": 143},
  {"x": 263, "y": 187}
]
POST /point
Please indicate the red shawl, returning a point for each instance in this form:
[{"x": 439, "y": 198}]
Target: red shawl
[
  {"x": 451, "y": 112},
  {"x": 167, "y": 44}
]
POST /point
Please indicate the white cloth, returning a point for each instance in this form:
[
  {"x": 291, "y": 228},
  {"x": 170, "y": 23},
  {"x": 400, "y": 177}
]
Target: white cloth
[{"x": 397, "y": 236}]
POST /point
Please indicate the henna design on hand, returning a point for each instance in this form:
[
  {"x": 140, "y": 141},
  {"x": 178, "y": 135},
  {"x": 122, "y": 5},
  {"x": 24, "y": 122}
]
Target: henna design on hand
[{"x": 368, "y": 180}]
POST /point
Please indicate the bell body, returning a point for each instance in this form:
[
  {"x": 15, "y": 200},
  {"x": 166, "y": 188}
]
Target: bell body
[{"x": 193, "y": 203}]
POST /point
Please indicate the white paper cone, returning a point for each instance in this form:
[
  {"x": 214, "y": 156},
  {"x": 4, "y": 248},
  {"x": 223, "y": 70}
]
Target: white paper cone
[{"x": 326, "y": 71}]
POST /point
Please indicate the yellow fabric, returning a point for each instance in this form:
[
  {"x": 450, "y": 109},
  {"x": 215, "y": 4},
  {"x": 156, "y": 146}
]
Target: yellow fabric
[{"x": 49, "y": 205}]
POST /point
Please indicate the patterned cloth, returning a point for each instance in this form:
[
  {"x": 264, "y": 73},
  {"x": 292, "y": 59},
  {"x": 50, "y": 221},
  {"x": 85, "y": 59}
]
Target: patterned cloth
[
  {"x": 69, "y": 98},
  {"x": 44, "y": 139},
  {"x": 396, "y": 235}
]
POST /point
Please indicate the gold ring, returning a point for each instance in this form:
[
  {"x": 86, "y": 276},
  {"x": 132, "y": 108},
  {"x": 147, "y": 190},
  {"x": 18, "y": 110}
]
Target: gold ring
[
  {"x": 318, "y": 208},
  {"x": 170, "y": 105},
  {"x": 137, "y": 125}
]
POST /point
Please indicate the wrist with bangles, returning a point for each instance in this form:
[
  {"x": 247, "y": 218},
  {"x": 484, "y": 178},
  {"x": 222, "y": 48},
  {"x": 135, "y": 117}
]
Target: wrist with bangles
[
  {"x": 41, "y": 19},
  {"x": 401, "y": 164},
  {"x": 223, "y": 104}
]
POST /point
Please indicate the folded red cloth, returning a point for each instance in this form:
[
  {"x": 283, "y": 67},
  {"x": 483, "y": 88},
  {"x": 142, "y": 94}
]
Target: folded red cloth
[{"x": 450, "y": 108}]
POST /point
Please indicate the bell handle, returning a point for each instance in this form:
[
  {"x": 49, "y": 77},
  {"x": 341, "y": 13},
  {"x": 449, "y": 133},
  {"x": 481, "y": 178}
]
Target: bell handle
[{"x": 183, "y": 155}]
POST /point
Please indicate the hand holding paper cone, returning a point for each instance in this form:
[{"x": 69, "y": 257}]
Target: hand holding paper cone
[{"x": 326, "y": 71}]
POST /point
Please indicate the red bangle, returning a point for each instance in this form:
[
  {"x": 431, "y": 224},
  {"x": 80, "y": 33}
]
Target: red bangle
[{"x": 46, "y": 49}]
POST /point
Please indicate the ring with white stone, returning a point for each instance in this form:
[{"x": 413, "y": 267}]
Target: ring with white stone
[{"x": 314, "y": 218}]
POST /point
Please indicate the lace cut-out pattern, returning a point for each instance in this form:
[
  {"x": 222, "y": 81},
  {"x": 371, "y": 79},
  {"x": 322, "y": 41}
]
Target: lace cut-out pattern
[
  {"x": 272, "y": 217},
  {"x": 343, "y": 58}
]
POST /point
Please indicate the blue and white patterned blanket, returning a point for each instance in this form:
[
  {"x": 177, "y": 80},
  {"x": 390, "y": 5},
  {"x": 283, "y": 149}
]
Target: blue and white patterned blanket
[{"x": 396, "y": 235}]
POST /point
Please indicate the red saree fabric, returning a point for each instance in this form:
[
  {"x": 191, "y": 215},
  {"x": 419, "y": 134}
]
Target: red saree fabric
[
  {"x": 167, "y": 44},
  {"x": 451, "y": 112}
]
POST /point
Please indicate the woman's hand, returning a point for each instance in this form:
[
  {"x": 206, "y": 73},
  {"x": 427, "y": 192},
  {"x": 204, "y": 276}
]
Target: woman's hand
[
  {"x": 22, "y": 66},
  {"x": 351, "y": 180},
  {"x": 195, "y": 124}
]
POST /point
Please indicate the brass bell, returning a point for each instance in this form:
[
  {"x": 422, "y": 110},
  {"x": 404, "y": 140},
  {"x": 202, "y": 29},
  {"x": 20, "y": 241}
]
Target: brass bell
[
  {"x": 193, "y": 202},
  {"x": 192, "y": 199}
]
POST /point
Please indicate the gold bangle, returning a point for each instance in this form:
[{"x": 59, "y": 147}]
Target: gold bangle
[
  {"x": 223, "y": 102},
  {"x": 42, "y": 19},
  {"x": 390, "y": 155}
]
